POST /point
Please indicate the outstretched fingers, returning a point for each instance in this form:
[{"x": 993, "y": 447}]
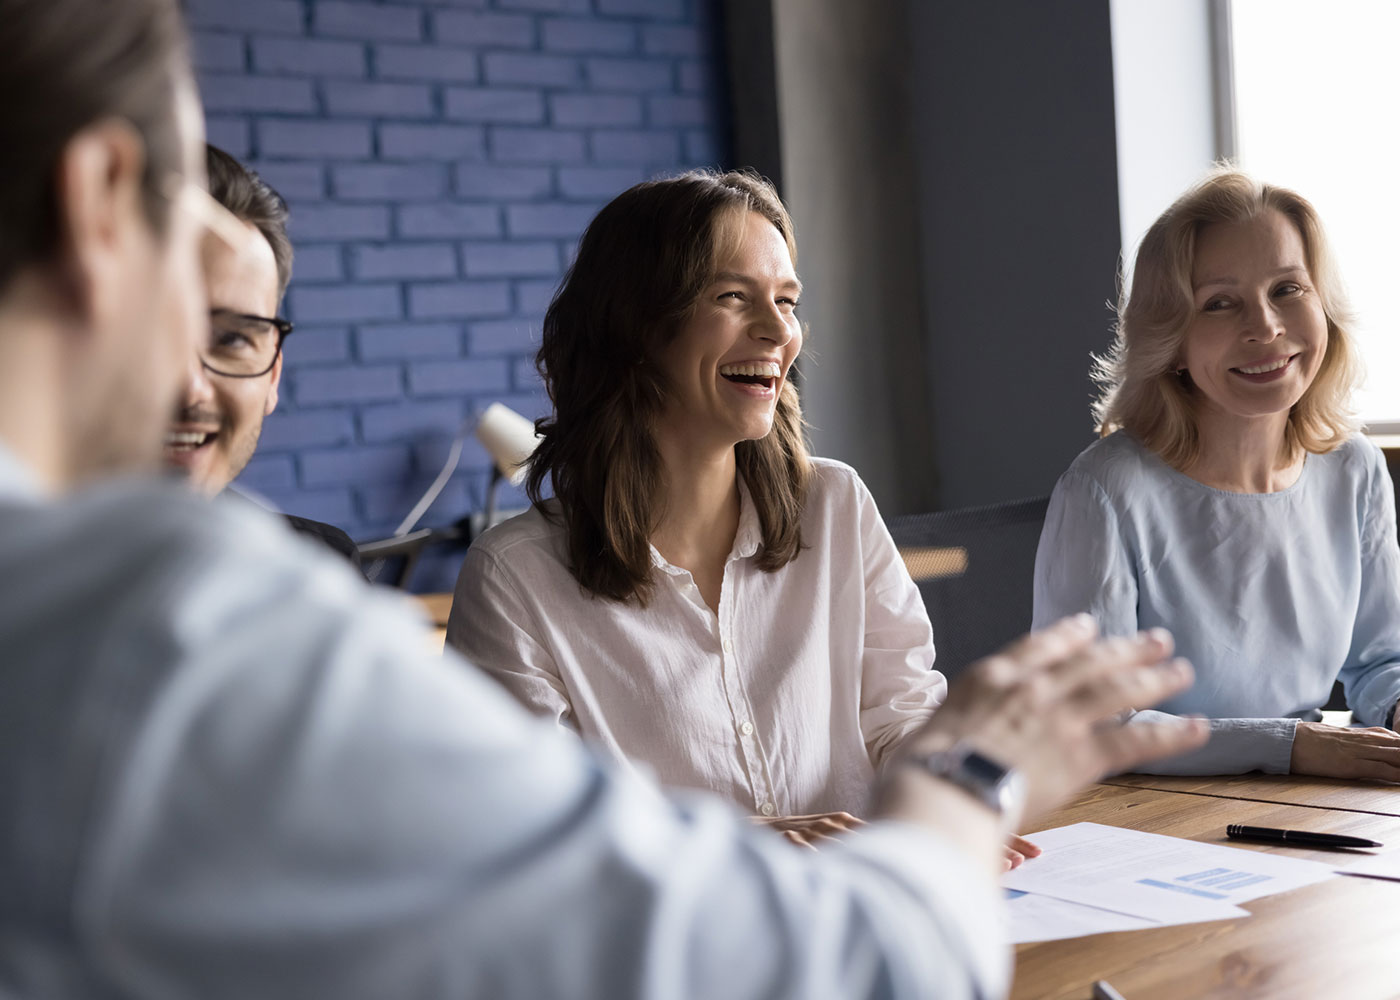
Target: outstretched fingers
[{"x": 1123, "y": 747}]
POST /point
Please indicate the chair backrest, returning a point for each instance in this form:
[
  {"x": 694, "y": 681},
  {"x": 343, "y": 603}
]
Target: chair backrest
[{"x": 974, "y": 568}]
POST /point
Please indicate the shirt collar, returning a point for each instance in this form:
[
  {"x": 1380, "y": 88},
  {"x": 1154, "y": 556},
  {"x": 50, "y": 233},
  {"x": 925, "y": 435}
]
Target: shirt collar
[
  {"x": 17, "y": 481},
  {"x": 746, "y": 539}
]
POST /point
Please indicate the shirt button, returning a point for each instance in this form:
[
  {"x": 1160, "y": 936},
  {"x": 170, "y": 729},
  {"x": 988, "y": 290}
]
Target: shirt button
[
  {"x": 746, "y": 728},
  {"x": 728, "y": 646},
  {"x": 767, "y": 809}
]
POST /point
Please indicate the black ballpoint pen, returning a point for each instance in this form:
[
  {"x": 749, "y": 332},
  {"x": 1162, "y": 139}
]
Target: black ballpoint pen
[{"x": 1303, "y": 838}]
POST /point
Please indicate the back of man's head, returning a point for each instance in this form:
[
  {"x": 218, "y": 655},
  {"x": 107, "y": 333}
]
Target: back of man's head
[
  {"x": 253, "y": 200},
  {"x": 68, "y": 65}
]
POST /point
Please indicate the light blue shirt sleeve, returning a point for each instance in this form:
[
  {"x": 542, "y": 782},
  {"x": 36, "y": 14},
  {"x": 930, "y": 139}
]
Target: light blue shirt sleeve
[
  {"x": 1371, "y": 675},
  {"x": 277, "y": 792}
]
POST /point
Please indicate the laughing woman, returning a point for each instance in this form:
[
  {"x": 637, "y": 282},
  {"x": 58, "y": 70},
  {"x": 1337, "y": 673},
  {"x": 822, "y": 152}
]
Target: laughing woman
[
  {"x": 1230, "y": 500},
  {"x": 699, "y": 596}
]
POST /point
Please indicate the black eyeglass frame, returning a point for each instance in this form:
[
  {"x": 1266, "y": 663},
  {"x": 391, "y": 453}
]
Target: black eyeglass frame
[{"x": 284, "y": 329}]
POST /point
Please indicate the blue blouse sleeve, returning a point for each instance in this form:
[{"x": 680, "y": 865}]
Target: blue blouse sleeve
[
  {"x": 1083, "y": 563},
  {"x": 1371, "y": 674}
]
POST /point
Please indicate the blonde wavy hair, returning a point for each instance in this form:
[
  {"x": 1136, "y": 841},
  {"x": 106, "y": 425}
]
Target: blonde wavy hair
[{"x": 1141, "y": 391}]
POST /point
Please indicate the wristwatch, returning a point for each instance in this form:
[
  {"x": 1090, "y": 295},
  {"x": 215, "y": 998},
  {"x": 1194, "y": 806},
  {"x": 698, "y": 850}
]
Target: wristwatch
[{"x": 1001, "y": 789}]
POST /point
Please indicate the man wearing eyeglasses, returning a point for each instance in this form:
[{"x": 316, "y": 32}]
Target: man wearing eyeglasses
[{"x": 233, "y": 382}]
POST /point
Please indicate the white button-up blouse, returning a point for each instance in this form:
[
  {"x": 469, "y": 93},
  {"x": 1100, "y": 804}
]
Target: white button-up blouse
[{"x": 784, "y": 702}]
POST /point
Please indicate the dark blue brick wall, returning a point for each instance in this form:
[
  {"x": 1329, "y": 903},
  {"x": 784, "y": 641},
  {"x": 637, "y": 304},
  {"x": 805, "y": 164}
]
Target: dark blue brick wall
[{"x": 441, "y": 158}]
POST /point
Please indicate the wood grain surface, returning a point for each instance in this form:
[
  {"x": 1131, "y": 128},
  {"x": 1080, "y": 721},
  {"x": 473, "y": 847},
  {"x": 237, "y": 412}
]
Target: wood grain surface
[{"x": 1340, "y": 938}]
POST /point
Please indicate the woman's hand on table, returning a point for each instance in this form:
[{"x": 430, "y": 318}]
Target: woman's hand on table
[
  {"x": 1019, "y": 850},
  {"x": 809, "y": 831},
  {"x": 1334, "y": 752}
]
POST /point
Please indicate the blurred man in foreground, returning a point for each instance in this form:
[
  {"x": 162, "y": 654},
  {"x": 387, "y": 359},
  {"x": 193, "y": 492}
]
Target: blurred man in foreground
[{"x": 228, "y": 770}]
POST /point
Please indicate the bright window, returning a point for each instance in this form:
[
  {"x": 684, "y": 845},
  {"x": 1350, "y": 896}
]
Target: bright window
[{"x": 1316, "y": 93}]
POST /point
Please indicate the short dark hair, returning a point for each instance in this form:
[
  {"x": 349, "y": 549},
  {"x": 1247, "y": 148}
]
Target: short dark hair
[
  {"x": 641, "y": 268},
  {"x": 252, "y": 199},
  {"x": 67, "y": 66}
]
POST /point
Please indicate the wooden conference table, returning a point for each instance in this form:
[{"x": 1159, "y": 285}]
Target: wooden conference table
[{"x": 1339, "y": 938}]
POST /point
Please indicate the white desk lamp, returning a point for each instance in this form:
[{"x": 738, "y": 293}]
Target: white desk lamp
[{"x": 510, "y": 440}]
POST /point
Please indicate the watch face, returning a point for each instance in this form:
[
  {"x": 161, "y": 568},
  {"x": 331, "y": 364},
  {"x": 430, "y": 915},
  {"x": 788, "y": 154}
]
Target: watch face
[{"x": 986, "y": 772}]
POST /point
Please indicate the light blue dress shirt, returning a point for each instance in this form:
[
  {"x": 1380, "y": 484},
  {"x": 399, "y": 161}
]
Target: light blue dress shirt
[
  {"x": 229, "y": 769},
  {"x": 1271, "y": 596}
]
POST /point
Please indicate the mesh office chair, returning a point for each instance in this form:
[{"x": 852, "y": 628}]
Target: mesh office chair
[{"x": 974, "y": 568}]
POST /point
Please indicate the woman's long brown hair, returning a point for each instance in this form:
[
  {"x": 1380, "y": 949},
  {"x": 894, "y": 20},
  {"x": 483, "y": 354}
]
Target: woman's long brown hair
[{"x": 641, "y": 267}]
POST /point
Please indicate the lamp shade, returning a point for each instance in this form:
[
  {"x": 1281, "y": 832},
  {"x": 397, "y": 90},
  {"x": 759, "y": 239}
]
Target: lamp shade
[{"x": 508, "y": 438}]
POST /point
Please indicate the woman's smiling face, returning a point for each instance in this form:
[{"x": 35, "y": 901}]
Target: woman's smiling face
[
  {"x": 1259, "y": 331},
  {"x": 727, "y": 364}
]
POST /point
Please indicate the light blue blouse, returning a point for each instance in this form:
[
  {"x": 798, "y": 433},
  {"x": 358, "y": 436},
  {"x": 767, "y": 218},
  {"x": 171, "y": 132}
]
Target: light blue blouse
[{"x": 1271, "y": 596}]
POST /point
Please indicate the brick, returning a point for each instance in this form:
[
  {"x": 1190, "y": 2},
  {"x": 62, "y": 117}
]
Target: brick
[
  {"x": 389, "y": 100},
  {"x": 546, "y": 71},
  {"x": 432, "y": 260},
  {"x": 308, "y": 57},
  {"x": 675, "y": 40},
  {"x": 588, "y": 35},
  {"x": 232, "y": 135},
  {"x": 449, "y": 220},
  {"x": 371, "y": 22},
  {"x": 458, "y": 377},
  {"x": 267, "y": 473},
  {"x": 425, "y": 62},
  {"x": 671, "y": 9},
  {"x": 332, "y": 506},
  {"x": 408, "y": 341},
  {"x": 238, "y": 92},
  {"x": 598, "y": 182},
  {"x": 536, "y": 145},
  {"x": 277, "y": 17},
  {"x": 432, "y": 142},
  {"x": 214, "y": 52},
  {"x": 354, "y": 466},
  {"x": 474, "y": 180},
  {"x": 701, "y": 146},
  {"x": 317, "y": 263},
  {"x": 510, "y": 260},
  {"x": 385, "y": 182},
  {"x": 410, "y": 421},
  {"x": 306, "y": 428},
  {"x": 674, "y": 111},
  {"x": 293, "y": 181},
  {"x": 314, "y": 140},
  {"x": 595, "y": 109},
  {"x": 546, "y": 5},
  {"x": 317, "y": 344},
  {"x": 635, "y": 146},
  {"x": 346, "y": 303},
  {"x": 450, "y": 300},
  {"x": 533, "y": 297},
  {"x": 347, "y": 384},
  {"x": 494, "y": 104},
  {"x": 548, "y": 219},
  {"x": 339, "y": 222},
  {"x": 640, "y": 75},
  {"x": 696, "y": 77},
  {"x": 511, "y": 336},
  {"x": 484, "y": 30}
]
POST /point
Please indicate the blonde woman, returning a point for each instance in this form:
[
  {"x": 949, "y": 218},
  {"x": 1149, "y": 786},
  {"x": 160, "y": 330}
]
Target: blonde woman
[{"x": 1230, "y": 500}]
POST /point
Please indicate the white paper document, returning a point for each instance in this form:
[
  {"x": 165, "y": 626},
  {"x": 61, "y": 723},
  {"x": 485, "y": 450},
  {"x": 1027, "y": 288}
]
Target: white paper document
[
  {"x": 1385, "y": 866},
  {"x": 1033, "y": 917},
  {"x": 1157, "y": 878}
]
